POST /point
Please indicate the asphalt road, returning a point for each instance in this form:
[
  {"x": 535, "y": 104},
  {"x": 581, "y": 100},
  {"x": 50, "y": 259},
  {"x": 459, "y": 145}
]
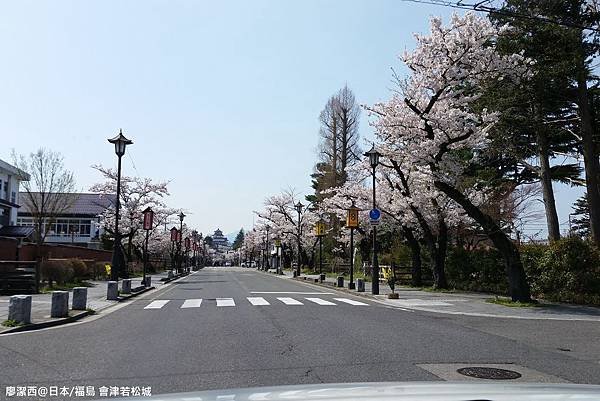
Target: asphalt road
[{"x": 205, "y": 346}]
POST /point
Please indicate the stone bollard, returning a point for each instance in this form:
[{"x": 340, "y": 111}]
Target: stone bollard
[
  {"x": 322, "y": 277},
  {"x": 79, "y": 298},
  {"x": 126, "y": 286},
  {"x": 148, "y": 282},
  {"x": 112, "y": 291},
  {"x": 60, "y": 304},
  {"x": 19, "y": 308},
  {"x": 340, "y": 281},
  {"x": 170, "y": 274},
  {"x": 360, "y": 284}
]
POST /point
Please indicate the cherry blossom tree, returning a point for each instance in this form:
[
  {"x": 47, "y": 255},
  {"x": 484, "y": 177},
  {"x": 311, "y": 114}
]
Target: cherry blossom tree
[
  {"x": 136, "y": 195},
  {"x": 280, "y": 214},
  {"x": 434, "y": 124}
]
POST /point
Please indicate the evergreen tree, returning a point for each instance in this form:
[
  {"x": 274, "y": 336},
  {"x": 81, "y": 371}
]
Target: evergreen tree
[
  {"x": 580, "y": 222},
  {"x": 563, "y": 92},
  {"x": 541, "y": 113},
  {"x": 239, "y": 239}
]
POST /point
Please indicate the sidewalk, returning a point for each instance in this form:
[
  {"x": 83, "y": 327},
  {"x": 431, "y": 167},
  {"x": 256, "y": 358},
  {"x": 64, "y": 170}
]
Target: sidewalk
[
  {"x": 468, "y": 304},
  {"x": 96, "y": 299}
]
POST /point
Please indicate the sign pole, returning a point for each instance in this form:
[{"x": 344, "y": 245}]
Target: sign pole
[{"x": 351, "y": 283}]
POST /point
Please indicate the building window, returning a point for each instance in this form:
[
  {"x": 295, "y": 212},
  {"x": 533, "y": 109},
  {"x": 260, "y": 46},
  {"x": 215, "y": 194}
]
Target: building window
[
  {"x": 25, "y": 221},
  {"x": 62, "y": 228},
  {"x": 85, "y": 227},
  {"x": 13, "y": 197}
]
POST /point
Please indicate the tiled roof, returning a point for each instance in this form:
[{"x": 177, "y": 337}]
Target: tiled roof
[
  {"x": 83, "y": 203},
  {"x": 16, "y": 231}
]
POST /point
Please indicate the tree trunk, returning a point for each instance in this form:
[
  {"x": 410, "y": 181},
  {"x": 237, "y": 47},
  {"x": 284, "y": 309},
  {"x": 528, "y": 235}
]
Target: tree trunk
[
  {"x": 590, "y": 155},
  {"x": 415, "y": 253},
  {"x": 440, "y": 256},
  {"x": 517, "y": 281},
  {"x": 548, "y": 193}
]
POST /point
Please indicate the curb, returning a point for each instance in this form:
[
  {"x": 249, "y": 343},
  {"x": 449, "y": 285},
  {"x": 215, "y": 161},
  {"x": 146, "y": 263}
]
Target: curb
[
  {"x": 334, "y": 286},
  {"x": 174, "y": 278},
  {"x": 69, "y": 319},
  {"x": 125, "y": 297},
  {"x": 49, "y": 323}
]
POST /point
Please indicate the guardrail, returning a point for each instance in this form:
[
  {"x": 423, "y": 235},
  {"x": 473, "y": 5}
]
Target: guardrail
[{"x": 19, "y": 276}]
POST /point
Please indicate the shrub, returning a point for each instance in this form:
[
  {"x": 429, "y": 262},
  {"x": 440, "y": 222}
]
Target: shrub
[
  {"x": 568, "y": 270},
  {"x": 99, "y": 270},
  {"x": 59, "y": 271},
  {"x": 80, "y": 270},
  {"x": 476, "y": 270}
]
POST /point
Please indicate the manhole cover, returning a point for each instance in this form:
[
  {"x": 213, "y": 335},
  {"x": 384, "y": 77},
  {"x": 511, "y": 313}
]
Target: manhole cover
[{"x": 489, "y": 373}]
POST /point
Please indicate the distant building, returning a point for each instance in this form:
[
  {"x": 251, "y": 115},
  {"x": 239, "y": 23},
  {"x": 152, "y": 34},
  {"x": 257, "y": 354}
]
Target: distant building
[
  {"x": 79, "y": 224},
  {"x": 10, "y": 179},
  {"x": 220, "y": 242}
]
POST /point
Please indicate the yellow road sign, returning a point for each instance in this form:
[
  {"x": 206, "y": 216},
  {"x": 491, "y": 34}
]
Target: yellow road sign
[{"x": 352, "y": 218}]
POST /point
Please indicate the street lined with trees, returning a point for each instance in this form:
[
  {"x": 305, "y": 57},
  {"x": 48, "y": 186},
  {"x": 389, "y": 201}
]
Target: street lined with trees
[{"x": 487, "y": 119}]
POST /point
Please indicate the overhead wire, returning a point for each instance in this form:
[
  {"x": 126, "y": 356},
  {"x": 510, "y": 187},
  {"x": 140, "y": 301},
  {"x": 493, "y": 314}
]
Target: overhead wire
[{"x": 480, "y": 6}]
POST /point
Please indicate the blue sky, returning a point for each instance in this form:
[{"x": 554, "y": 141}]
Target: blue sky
[{"x": 221, "y": 98}]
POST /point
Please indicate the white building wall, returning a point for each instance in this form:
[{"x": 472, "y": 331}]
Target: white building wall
[{"x": 9, "y": 191}]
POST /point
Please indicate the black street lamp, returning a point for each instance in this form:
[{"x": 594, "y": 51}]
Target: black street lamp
[
  {"x": 148, "y": 220},
  {"x": 373, "y": 156},
  {"x": 179, "y": 239},
  {"x": 299, "y": 207},
  {"x": 120, "y": 143}
]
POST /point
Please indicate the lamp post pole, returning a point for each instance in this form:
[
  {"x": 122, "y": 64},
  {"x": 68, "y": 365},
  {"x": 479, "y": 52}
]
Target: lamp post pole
[
  {"x": 120, "y": 143},
  {"x": 320, "y": 255},
  {"x": 373, "y": 156},
  {"x": 375, "y": 272},
  {"x": 320, "y": 232},
  {"x": 174, "y": 236},
  {"x": 299, "y": 207},
  {"x": 148, "y": 221},
  {"x": 352, "y": 223},
  {"x": 180, "y": 238},
  {"x": 267, "y": 250}
]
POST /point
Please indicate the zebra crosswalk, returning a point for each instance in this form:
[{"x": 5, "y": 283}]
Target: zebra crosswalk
[{"x": 253, "y": 301}]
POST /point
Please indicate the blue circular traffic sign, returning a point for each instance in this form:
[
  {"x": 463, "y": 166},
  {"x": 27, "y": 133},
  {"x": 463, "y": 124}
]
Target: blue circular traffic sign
[{"x": 374, "y": 214}]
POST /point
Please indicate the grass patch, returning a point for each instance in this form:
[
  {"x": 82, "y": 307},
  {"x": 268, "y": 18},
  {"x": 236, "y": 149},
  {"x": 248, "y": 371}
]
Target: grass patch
[
  {"x": 11, "y": 323},
  {"x": 64, "y": 287},
  {"x": 510, "y": 303},
  {"x": 442, "y": 290},
  {"x": 91, "y": 311}
]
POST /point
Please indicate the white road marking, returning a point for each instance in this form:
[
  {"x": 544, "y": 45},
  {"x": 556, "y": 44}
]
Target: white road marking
[
  {"x": 157, "y": 304},
  {"x": 291, "y": 292},
  {"x": 192, "y": 303},
  {"x": 320, "y": 301},
  {"x": 225, "y": 302},
  {"x": 258, "y": 301},
  {"x": 290, "y": 301},
  {"x": 351, "y": 301}
]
